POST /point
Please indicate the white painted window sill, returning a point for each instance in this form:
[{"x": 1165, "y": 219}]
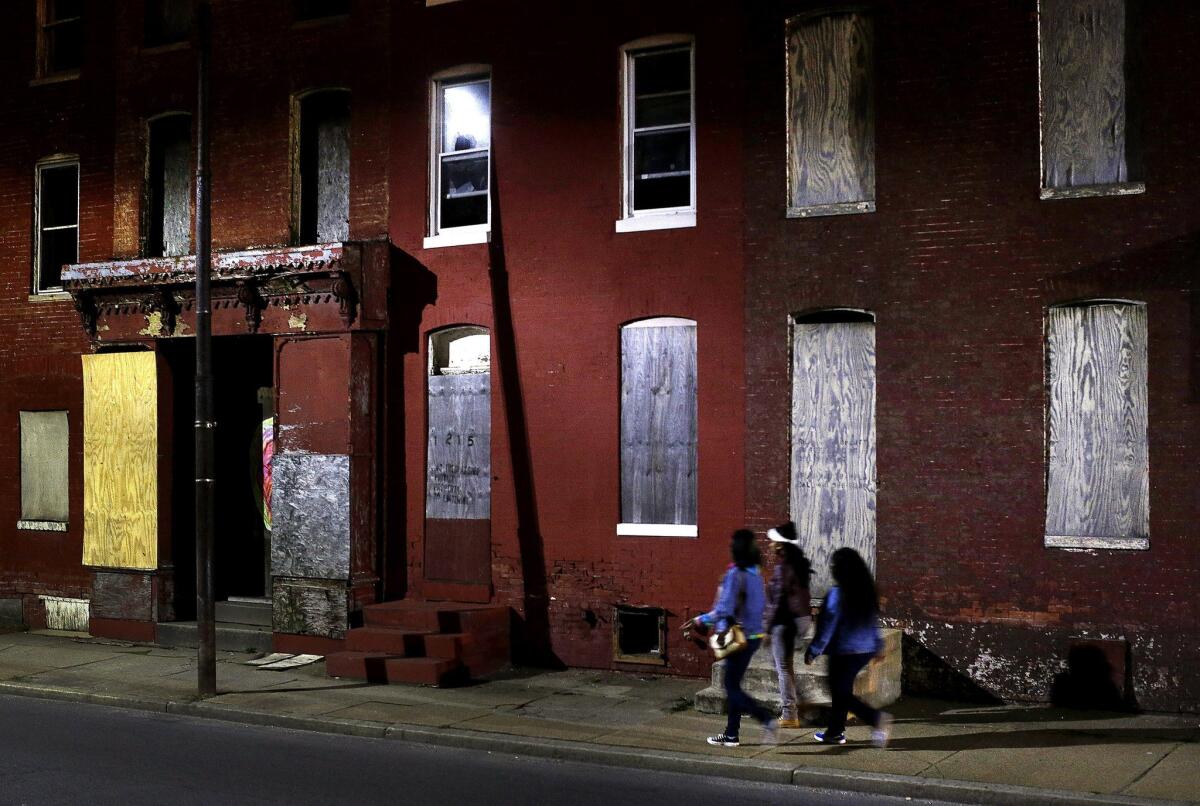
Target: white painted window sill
[
  {"x": 656, "y": 530},
  {"x": 647, "y": 222},
  {"x": 459, "y": 236},
  {"x": 841, "y": 208},
  {"x": 50, "y": 296},
  {"x": 1102, "y": 543},
  {"x": 42, "y": 526},
  {"x": 1092, "y": 191}
]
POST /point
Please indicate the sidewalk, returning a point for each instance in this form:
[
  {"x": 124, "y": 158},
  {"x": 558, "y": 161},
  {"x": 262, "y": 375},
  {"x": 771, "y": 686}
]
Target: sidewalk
[{"x": 989, "y": 754}]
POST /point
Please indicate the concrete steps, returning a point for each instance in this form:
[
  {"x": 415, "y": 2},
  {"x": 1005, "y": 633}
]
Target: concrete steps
[
  {"x": 877, "y": 685},
  {"x": 230, "y": 637},
  {"x": 429, "y": 643}
]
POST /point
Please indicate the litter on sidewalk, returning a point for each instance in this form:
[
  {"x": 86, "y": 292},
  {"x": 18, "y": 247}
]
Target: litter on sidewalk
[{"x": 283, "y": 660}]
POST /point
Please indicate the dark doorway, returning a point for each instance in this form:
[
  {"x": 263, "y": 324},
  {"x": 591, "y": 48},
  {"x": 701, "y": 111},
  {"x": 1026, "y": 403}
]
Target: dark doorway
[{"x": 243, "y": 403}]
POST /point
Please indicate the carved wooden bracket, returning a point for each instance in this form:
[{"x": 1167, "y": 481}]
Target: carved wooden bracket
[
  {"x": 347, "y": 298},
  {"x": 85, "y": 304},
  {"x": 253, "y": 303},
  {"x": 164, "y": 302}
]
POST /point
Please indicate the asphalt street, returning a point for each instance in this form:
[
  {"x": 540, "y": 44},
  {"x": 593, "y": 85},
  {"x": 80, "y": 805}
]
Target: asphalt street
[{"x": 65, "y": 753}]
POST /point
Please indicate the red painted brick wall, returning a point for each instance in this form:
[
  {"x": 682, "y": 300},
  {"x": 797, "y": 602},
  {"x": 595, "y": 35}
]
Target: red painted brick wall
[{"x": 959, "y": 264}]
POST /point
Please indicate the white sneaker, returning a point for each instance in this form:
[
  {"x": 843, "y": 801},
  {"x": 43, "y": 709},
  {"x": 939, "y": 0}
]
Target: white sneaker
[
  {"x": 721, "y": 740},
  {"x": 771, "y": 732},
  {"x": 883, "y": 731}
]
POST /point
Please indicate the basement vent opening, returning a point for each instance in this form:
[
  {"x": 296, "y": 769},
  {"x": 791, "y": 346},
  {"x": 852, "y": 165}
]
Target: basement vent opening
[{"x": 639, "y": 635}]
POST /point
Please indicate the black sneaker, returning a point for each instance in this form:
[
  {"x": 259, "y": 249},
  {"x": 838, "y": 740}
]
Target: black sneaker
[
  {"x": 721, "y": 740},
  {"x": 821, "y": 737}
]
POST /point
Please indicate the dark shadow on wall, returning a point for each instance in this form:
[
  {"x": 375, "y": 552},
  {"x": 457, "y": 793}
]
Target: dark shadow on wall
[
  {"x": 533, "y": 645},
  {"x": 927, "y": 675},
  {"x": 1089, "y": 682}
]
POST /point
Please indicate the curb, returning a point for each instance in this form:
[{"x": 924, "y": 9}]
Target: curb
[{"x": 770, "y": 772}]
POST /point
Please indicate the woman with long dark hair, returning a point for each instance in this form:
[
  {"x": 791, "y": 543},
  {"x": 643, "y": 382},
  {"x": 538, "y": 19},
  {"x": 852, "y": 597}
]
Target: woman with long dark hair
[
  {"x": 740, "y": 600},
  {"x": 787, "y": 618},
  {"x": 848, "y": 632}
]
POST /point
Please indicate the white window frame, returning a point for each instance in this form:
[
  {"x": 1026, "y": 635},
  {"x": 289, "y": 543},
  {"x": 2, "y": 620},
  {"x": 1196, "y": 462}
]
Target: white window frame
[
  {"x": 57, "y": 161},
  {"x": 632, "y": 220},
  {"x": 666, "y": 529},
  {"x": 474, "y": 233}
]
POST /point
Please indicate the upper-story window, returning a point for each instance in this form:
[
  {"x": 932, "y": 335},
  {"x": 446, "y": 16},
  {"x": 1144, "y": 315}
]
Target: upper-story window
[
  {"x": 1087, "y": 147},
  {"x": 168, "y": 187},
  {"x": 323, "y": 167},
  {"x": 830, "y": 115},
  {"x": 56, "y": 222},
  {"x": 317, "y": 9},
  {"x": 167, "y": 21},
  {"x": 460, "y": 209},
  {"x": 659, "y": 154},
  {"x": 60, "y": 44}
]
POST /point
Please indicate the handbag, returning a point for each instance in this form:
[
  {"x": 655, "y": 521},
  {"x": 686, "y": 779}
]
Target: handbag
[
  {"x": 732, "y": 639},
  {"x": 727, "y": 642}
]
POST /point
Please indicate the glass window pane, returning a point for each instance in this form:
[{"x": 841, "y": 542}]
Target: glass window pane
[
  {"x": 65, "y": 45},
  {"x": 58, "y": 249},
  {"x": 59, "y": 196},
  {"x": 663, "y": 110},
  {"x": 662, "y": 72},
  {"x": 653, "y": 194},
  {"x": 662, "y": 152},
  {"x": 464, "y": 211},
  {"x": 466, "y": 116},
  {"x": 464, "y": 177}
]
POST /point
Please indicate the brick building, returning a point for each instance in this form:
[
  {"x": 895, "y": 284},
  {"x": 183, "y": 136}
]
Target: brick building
[{"x": 537, "y": 319}]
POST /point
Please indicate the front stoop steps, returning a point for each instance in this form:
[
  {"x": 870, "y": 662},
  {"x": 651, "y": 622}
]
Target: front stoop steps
[{"x": 430, "y": 643}]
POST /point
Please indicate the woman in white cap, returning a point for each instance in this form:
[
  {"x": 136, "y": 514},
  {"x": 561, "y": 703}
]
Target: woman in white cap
[{"x": 787, "y": 616}]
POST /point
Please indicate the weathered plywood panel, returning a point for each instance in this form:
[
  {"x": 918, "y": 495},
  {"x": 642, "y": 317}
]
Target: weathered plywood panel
[
  {"x": 658, "y": 424},
  {"x": 1098, "y": 462},
  {"x": 122, "y": 596},
  {"x": 176, "y": 190},
  {"x": 458, "y": 460},
  {"x": 831, "y": 111},
  {"x": 1083, "y": 92},
  {"x": 333, "y": 174},
  {"x": 310, "y": 511},
  {"x": 44, "y": 465},
  {"x": 120, "y": 460},
  {"x": 833, "y": 441},
  {"x": 310, "y": 607}
]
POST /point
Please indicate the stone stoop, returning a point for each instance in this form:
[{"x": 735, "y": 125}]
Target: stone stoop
[
  {"x": 428, "y": 643},
  {"x": 877, "y": 685}
]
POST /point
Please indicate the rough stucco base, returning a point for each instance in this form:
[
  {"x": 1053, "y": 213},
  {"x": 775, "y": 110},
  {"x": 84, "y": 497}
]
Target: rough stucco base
[
  {"x": 310, "y": 607},
  {"x": 1020, "y": 662}
]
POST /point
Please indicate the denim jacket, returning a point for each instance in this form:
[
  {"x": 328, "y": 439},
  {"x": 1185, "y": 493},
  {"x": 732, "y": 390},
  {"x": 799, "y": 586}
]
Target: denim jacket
[
  {"x": 836, "y": 637},
  {"x": 726, "y": 607}
]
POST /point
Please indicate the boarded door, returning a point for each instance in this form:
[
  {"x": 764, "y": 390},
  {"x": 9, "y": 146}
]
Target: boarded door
[
  {"x": 458, "y": 484},
  {"x": 120, "y": 460},
  {"x": 833, "y": 441}
]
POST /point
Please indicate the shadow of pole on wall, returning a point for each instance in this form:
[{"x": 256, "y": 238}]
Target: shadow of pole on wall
[{"x": 534, "y": 647}]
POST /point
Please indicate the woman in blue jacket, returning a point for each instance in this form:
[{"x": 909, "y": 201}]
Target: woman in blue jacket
[
  {"x": 740, "y": 599},
  {"x": 848, "y": 632}
]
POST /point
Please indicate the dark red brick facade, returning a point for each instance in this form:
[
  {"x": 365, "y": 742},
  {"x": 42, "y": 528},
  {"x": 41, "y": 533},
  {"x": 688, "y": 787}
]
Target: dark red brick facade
[{"x": 958, "y": 264}]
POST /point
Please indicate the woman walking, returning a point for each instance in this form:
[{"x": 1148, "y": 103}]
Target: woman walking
[
  {"x": 787, "y": 615},
  {"x": 848, "y": 632},
  {"x": 740, "y": 600}
]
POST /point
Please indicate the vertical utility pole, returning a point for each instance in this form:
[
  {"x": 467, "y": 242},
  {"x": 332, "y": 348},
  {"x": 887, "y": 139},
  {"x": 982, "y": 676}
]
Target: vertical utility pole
[{"x": 205, "y": 466}]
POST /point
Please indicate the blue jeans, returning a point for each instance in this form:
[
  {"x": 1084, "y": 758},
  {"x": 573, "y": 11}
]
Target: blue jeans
[
  {"x": 842, "y": 671},
  {"x": 736, "y": 700}
]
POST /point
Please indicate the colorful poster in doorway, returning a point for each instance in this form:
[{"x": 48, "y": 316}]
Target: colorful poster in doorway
[{"x": 268, "y": 454}]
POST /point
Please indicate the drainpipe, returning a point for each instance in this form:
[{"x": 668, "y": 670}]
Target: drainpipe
[{"x": 206, "y": 633}]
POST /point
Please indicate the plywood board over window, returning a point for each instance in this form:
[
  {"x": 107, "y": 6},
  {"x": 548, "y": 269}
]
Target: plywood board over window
[
  {"x": 831, "y": 115},
  {"x": 1085, "y": 99},
  {"x": 833, "y": 441},
  {"x": 44, "y": 463},
  {"x": 120, "y": 460},
  {"x": 658, "y": 428},
  {"x": 1097, "y": 476}
]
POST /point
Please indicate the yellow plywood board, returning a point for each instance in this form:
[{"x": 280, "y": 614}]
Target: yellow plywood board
[{"x": 120, "y": 460}]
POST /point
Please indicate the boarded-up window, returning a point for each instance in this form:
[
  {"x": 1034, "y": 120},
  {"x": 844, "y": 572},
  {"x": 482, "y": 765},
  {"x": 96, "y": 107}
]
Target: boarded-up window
[
  {"x": 324, "y": 167},
  {"x": 1097, "y": 480},
  {"x": 1085, "y": 104},
  {"x": 833, "y": 439},
  {"x": 658, "y": 427},
  {"x": 168, "y": 187},
  {"x": 57, "y": 224},
  {"x": 44, "y": 461},
  {"x": 831, "y": 115}
]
